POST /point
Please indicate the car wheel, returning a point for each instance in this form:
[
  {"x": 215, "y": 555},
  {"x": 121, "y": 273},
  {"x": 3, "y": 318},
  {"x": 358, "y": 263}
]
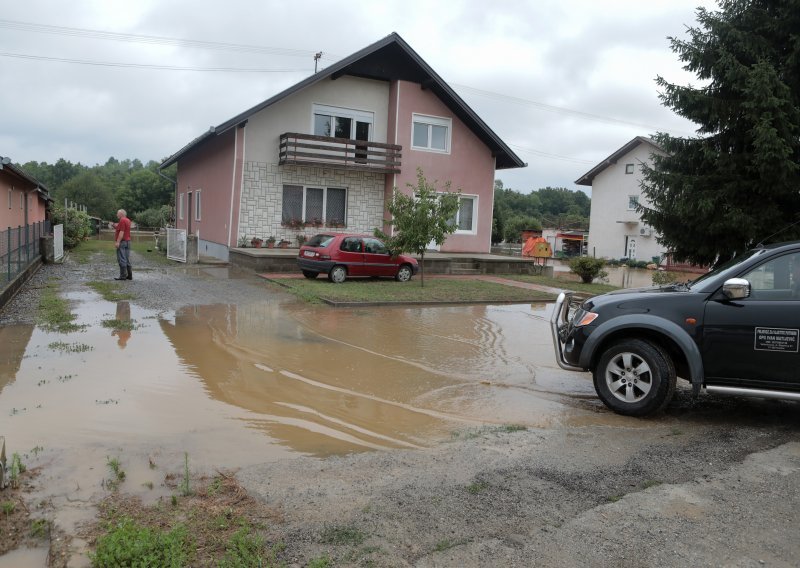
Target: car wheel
[
  {"x": 310, "y": 274},
  {"x": 403, "y": 274},
  {"x": 635, "y": 377},
  {"x": 338, "y": 274}
]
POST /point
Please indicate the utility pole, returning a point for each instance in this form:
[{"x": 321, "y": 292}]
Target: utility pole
[{"x": 316, "y": 59}]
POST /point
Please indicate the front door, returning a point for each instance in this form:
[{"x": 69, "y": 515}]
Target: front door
[
  {"x": 362, "y": 134},
  {"x": 632, "y": 248},
  {"x": 755, "y": 341}
]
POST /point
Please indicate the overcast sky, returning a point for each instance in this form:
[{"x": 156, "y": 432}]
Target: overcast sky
[{"x": 532, "y": 70}]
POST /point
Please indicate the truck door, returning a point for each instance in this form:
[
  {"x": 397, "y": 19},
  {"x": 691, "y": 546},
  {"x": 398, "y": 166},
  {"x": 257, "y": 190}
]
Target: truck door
[{"x": 754, "y": 342}]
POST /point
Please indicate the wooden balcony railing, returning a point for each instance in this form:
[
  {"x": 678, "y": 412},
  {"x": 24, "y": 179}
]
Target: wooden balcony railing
[{"x": 307, "y": 149}]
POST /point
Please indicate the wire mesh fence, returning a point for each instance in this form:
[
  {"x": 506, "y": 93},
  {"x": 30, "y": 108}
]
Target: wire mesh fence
[{"x": 19, "y": 248}]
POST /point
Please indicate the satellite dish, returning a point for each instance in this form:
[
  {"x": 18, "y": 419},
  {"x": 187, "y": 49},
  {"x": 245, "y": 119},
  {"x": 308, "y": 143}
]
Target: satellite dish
[{"x": 5, "y": 161}]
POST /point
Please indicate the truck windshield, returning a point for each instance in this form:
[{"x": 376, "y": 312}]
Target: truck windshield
[{"x": 727, "y": 269}]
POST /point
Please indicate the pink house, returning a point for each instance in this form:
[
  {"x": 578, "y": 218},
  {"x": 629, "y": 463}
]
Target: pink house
[
  {"x": 24, "y": 199},
  {"x": 330, "y": 150}
]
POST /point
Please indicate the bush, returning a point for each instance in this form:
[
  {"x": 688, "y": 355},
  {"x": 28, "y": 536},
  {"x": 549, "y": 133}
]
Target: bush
[
  {"x": 76, "y": 225},
  {"x": 663, "y": 277},
  {"x": 588, "y": 268},
  {"x": 154, "y": 218}
]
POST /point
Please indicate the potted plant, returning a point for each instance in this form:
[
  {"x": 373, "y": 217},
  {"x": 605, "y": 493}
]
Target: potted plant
[
  {"x": 301, "y": 239},
  {"x": 271, "y": 241},
  {"x": 294, "y": 223},
  {"x": 256, "y": 242},
  {"x": 284, "y": 243},
  {"x": 242, "y": 241}
]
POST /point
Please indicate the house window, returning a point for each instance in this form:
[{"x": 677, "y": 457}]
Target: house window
[
  {"x": 197, "y": 205},
  {"x": 464, "y": 219},
  {"x": 180, "y": 206},
  {"x": 314, "y": 204},
  {"x": 628, "y": 168},
  {"x": 342, "y": 122},
  {"x": 633, "y": 202},
  {"x": 430, "y": 133}
]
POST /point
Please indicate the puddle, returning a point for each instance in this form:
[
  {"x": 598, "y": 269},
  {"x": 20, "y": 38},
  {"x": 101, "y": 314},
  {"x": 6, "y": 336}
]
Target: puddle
[
  {"x": 625, "y": 277},
  {"x": 233, "y": 386},
  {"x": 25, "y": 558}
]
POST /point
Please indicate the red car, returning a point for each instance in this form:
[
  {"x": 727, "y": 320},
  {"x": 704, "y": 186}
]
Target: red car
[{"x": 341, "y": 256}]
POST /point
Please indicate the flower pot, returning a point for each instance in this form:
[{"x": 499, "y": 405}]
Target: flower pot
[
  {"x": 256, "y": 244},
  {"x": 270, "y": 245}
]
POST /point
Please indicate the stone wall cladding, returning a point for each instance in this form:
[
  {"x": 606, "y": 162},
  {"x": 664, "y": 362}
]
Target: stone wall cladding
[{"x": 262, "y": 198}]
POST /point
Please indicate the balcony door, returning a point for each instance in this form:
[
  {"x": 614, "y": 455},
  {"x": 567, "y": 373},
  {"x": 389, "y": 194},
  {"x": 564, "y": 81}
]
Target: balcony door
[{"x": 335, "y": 122}]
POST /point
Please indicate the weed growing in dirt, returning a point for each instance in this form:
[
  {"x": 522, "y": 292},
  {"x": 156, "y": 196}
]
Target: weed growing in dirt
[
  {"x": 36, "y": 449},
  {"x": 446, "y": 544},
  {"x": 615, "y": 498},
  {"x": 321, "y": 562},
  {"x": 109, "y": 291},
  {"x": 17, "y": 468},
  {"x": 477, "y": 487},
  {"x": 186, "y": 490},
  {"x": 69, "y": 347},
  {"x": 246, "y": 549},
  {"x": 129, "y": 544},
  {"x": 8, "y": 507},
  {"x": 650, "y": 483},
  {"x": 39, "y": 528},
  {"x": 54, "y": 313},
  {"x": 117, "y": 472},
  {"x": 342, "y": 535}
]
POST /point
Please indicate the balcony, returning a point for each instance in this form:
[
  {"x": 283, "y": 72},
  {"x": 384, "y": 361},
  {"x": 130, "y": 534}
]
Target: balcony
[{"x": 307, "y": 149}]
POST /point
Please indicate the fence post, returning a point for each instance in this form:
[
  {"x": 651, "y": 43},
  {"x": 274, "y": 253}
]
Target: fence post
[
  {"x": 19, "y": 248},
  {"x": 10, "y": 252}
]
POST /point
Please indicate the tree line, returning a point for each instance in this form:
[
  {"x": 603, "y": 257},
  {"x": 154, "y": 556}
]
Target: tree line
[
  {"x": 147, "y": 197},
  {"x": 556, "y": 207}
]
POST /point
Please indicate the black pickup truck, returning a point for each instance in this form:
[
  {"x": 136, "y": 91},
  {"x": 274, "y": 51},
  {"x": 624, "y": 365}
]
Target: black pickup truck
[{"x": 735, "y": 330}]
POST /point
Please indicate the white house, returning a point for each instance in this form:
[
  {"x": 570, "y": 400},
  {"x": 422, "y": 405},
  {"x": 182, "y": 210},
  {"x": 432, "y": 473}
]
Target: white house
[{"x": 615, "y": 228}]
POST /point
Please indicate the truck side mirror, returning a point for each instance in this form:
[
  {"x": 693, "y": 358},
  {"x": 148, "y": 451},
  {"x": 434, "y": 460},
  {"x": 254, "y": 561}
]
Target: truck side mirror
[{"x": 736, "y": 288}]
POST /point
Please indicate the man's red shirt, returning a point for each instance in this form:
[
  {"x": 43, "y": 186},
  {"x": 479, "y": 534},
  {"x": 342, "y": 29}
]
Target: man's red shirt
[{"x": 124, "y": 226}]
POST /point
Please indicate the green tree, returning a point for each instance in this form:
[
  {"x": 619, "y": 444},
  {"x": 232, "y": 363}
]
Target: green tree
[
  {"x": 418, "y": 219},
  {"x": 736, "y": 183},
  {"x": 144, "y": 189},
  {"x": 88, "y": 189},
  {"x": 76, "y": 225}
]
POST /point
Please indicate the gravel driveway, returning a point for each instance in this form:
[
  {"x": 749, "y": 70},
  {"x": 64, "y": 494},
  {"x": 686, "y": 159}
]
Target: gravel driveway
[{"x": 711, "y": 482}]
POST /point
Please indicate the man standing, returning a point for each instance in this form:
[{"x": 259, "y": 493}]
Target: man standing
[{"x": 122, "y": 242}]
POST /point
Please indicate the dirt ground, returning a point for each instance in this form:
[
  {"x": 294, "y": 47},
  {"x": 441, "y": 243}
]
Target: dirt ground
[{"x": 709, "y": 482}]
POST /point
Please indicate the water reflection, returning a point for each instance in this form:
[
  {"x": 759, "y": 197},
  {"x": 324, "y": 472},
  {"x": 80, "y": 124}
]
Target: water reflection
[
  {"x": 123, "y": 317},
  {"x": 13, "y": 341}
]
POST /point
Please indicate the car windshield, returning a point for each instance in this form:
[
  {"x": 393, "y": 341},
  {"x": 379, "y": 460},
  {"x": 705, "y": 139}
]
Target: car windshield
[
  {"x": 728, "y": 268},
  {"x": 320, "y": 241}
]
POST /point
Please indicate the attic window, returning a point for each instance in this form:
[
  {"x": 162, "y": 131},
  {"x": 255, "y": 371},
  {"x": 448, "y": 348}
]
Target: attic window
[{"x": 628, "y": 168}]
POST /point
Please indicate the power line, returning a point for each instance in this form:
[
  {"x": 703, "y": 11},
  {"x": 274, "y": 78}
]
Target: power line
[
  {"x": 157, "y": 40},
  {"x": 559, "y": 110},
  {"x": 548, "y": 155},
  {"x": 147, "y": 66}
]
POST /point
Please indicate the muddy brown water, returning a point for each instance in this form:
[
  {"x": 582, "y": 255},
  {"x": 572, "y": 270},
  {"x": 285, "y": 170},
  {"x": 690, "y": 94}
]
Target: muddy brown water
[{"x": 232, "y": 385}]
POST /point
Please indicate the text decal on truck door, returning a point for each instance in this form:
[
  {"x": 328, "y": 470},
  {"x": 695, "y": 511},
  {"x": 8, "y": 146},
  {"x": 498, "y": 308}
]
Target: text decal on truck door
[{"x": 776, "y": 339}]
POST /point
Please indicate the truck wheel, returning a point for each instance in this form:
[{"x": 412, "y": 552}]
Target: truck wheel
[{"x": 635, "y": 377}]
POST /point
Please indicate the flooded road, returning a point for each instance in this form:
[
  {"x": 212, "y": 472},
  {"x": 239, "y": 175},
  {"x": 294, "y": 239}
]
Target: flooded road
[{"x": 236, "y": 385}]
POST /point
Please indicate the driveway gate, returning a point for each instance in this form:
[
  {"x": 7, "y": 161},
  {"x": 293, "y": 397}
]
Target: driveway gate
[{"x": 176, "y": 244}]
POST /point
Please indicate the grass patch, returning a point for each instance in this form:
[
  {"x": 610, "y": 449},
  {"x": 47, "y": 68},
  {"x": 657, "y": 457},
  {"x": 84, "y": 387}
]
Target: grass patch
[
  {"x": 562, "y": 282},
  {"x": 446, "y": 544},
  {"x": 650, "y": 483},
  {"x": 120, "y": 325},
  {"x": 54, "y": 313},
  {"x": 86, "y": 249},
  {"x": 342, "y": 535},
  {"x": 224, "y": 528},
  {"x": 388, "y": 291},
  {"x": 109, "y": 291}
]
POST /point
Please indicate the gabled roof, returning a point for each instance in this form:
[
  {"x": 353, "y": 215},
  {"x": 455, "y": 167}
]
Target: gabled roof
[
  {"x": 586, "y": 179},
  {"x": 388, "y": 59},
  {"x": 7, "y": 166}
]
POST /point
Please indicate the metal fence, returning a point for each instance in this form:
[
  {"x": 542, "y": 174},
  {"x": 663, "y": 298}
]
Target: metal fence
[{"x": 19, "y": 247}]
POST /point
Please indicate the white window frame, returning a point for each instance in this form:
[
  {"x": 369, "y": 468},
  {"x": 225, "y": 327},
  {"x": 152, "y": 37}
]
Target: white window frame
[
  {"x": 9, "y": 197},
  {"x": 197, "y": 200},
  {"x": 629, "y": 168},
  {"x": 633, "y": 199},
  {"x": 354, "y": 114},
  {"x": 474, "y": 229},
  {"x": 180, "y": 206},
  {"x": 432, "y": 121},
  {"x": 324, "y": 189}
]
